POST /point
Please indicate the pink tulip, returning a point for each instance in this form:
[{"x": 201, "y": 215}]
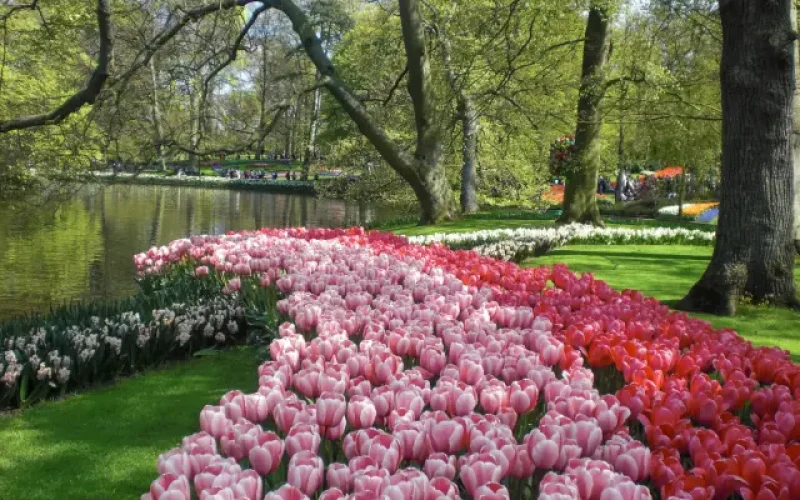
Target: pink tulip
[
  {"x": 543, "y": 451},
  {"x": 201, "y": 457},
  {"x": 494, "y": 396},
  {"x": 448, "y": 436},
  {"x": 339, "y": 476},
  {"x": 433, "y": 360},
  {"x": 175, "y": 462},
  {"x": 523, "y": 396},
  {"x": 303, "y": 437},
  {"x": 217, "y": 475},
  {"x": 249, "y": 486},
  {"x": 285, "y": 414},
  {"x": 170, "y": 487},
  {"x": 440, "y": 465},
  {"x": 199, "y": 439},
  {"x": 373, "y": 480},
  {"x": 214, "y": 422},
  {"x": 201, "y": 271},
  {"x": 413, "y": 440},
  {"x": 385, "y": 450},
  {"x": 330, "y": 409},
  {"x": 286, "y": 492},
  {"x": 411, "y": 400},
  {"x": 306, "y": 471},
  {"x": 266, "y": 455},
  {"x": 478, "y": 470},
  {"x": 441, "y": 488},
  {"x": 491, "y": 491}
]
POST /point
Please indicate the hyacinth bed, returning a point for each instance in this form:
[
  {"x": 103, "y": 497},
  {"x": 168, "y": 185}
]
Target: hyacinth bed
[
  {"x": 519, "y": 244},
  {"x": 401, "y": 371}
]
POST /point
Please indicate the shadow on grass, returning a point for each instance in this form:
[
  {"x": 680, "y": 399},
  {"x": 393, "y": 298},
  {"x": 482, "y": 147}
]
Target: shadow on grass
[
  {"x": 104, "y": 443},
  {"x": 636, "y": 255}
]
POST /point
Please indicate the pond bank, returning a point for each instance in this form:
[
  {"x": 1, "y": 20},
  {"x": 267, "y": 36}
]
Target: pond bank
[{"x": 262, "y": 185}]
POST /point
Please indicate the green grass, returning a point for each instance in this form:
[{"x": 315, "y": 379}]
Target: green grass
[
  {"x": 103, "y": 443},
  {"x": 667, "y": 273}
]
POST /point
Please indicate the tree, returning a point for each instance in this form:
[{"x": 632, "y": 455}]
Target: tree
[
  {"x": 754, "y": 252},
  {"x": 424, "y": 170},
  {"x": 796, "y": 135},
  {"x": 580, "y": 202}
]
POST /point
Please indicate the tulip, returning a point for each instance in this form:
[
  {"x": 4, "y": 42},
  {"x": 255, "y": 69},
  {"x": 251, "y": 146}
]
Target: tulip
[
  {"x": 330, "y": 409},
  {"x": 339, "y": 476},
  {"x": 491, "y": 491},
  {"x": 176, "y": 462},
  {"x": 266, "y": 455},
  {"x": 361, "y": 412},
  {"x": 478, "y": 470},
  {"x": 303, "y": 437},
  {"x": 440, "y": 465},
  {"x": 385, "y": 450},
  {"x": 170, "y": 487},
  {"x": 286, "y": 492},
  {"x": 214, "y": 422},
  {"x": 448, "y": 436},
  {"x": 305, "y": 472},
  {"x": 373, "y": 480}
]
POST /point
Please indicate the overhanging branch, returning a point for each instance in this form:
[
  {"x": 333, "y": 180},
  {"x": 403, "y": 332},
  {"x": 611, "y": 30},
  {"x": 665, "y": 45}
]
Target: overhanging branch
[{"x": 86, "y": 95}]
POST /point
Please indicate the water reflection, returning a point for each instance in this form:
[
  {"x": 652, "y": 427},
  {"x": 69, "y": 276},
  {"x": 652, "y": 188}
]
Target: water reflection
[{"x": 82, "y": 248}]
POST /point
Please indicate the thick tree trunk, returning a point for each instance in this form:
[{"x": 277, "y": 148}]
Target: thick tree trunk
[
  {"x": 754, "y": 253},
  {"x": 311, "y": 146},
  {"x": 158, "y": 132},
  {"x": 796, "y": 144},
  {"x": 469, "y": 155},
  {"x": 580, "y": 200}
]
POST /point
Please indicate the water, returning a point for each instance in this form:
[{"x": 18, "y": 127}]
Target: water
[{"x": 82, "y": 248}]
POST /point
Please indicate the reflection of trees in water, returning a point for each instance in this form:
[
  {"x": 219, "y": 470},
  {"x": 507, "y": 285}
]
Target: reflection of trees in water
[{"x": 83, "y": 247}]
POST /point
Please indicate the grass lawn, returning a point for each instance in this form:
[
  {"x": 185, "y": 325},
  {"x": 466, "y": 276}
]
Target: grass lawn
[
  {"x": 103, "y": 444},
  {"x": 666, "y": 273}
]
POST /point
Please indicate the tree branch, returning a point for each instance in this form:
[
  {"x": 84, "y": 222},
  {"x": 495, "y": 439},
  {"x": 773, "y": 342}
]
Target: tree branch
[
  {"x": 234, "y": 50},
  {"x": 388, "y": 149},
  {"x": 88, "y": 94},
  {"x": 280, "y": 109},
  {"x": 396, "y": 84},
  {"x": 16, "y": 8}
]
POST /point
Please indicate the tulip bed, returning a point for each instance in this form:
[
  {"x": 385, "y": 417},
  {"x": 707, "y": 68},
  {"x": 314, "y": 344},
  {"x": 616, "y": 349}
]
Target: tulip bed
[
  {"x": 420, "y": 372},
  {"x": 519, "y": 244}
]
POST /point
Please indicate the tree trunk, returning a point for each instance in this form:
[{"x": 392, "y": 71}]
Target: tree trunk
[
  {"x": 424, "y": 171},
  {"x": 796, "y": 144},
  {"x": 311, "y": 146},
  {"x": 580, "y": 196},
  {"x": 470, "y": 127},
  {"x": 262, "y": 102},
  {"x": 754, "y": 252},
  {"x": 158, "y": 132},
  {"x": 194, "y": 127}
]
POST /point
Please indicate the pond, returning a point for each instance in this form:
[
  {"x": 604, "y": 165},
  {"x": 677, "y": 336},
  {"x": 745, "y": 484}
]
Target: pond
[{"x": 82, "y": 248}]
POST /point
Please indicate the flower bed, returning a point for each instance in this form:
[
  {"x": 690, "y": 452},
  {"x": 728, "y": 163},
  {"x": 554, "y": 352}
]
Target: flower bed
[
  {"x": 689, "y": 209},
  {"x": 413, "y": 372},
  {"x": 518, "y": 244},
  {"x": 80, "y": 346}
]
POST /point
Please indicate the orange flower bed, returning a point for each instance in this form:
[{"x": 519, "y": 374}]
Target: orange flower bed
[{"x": 696, "y": 209}]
